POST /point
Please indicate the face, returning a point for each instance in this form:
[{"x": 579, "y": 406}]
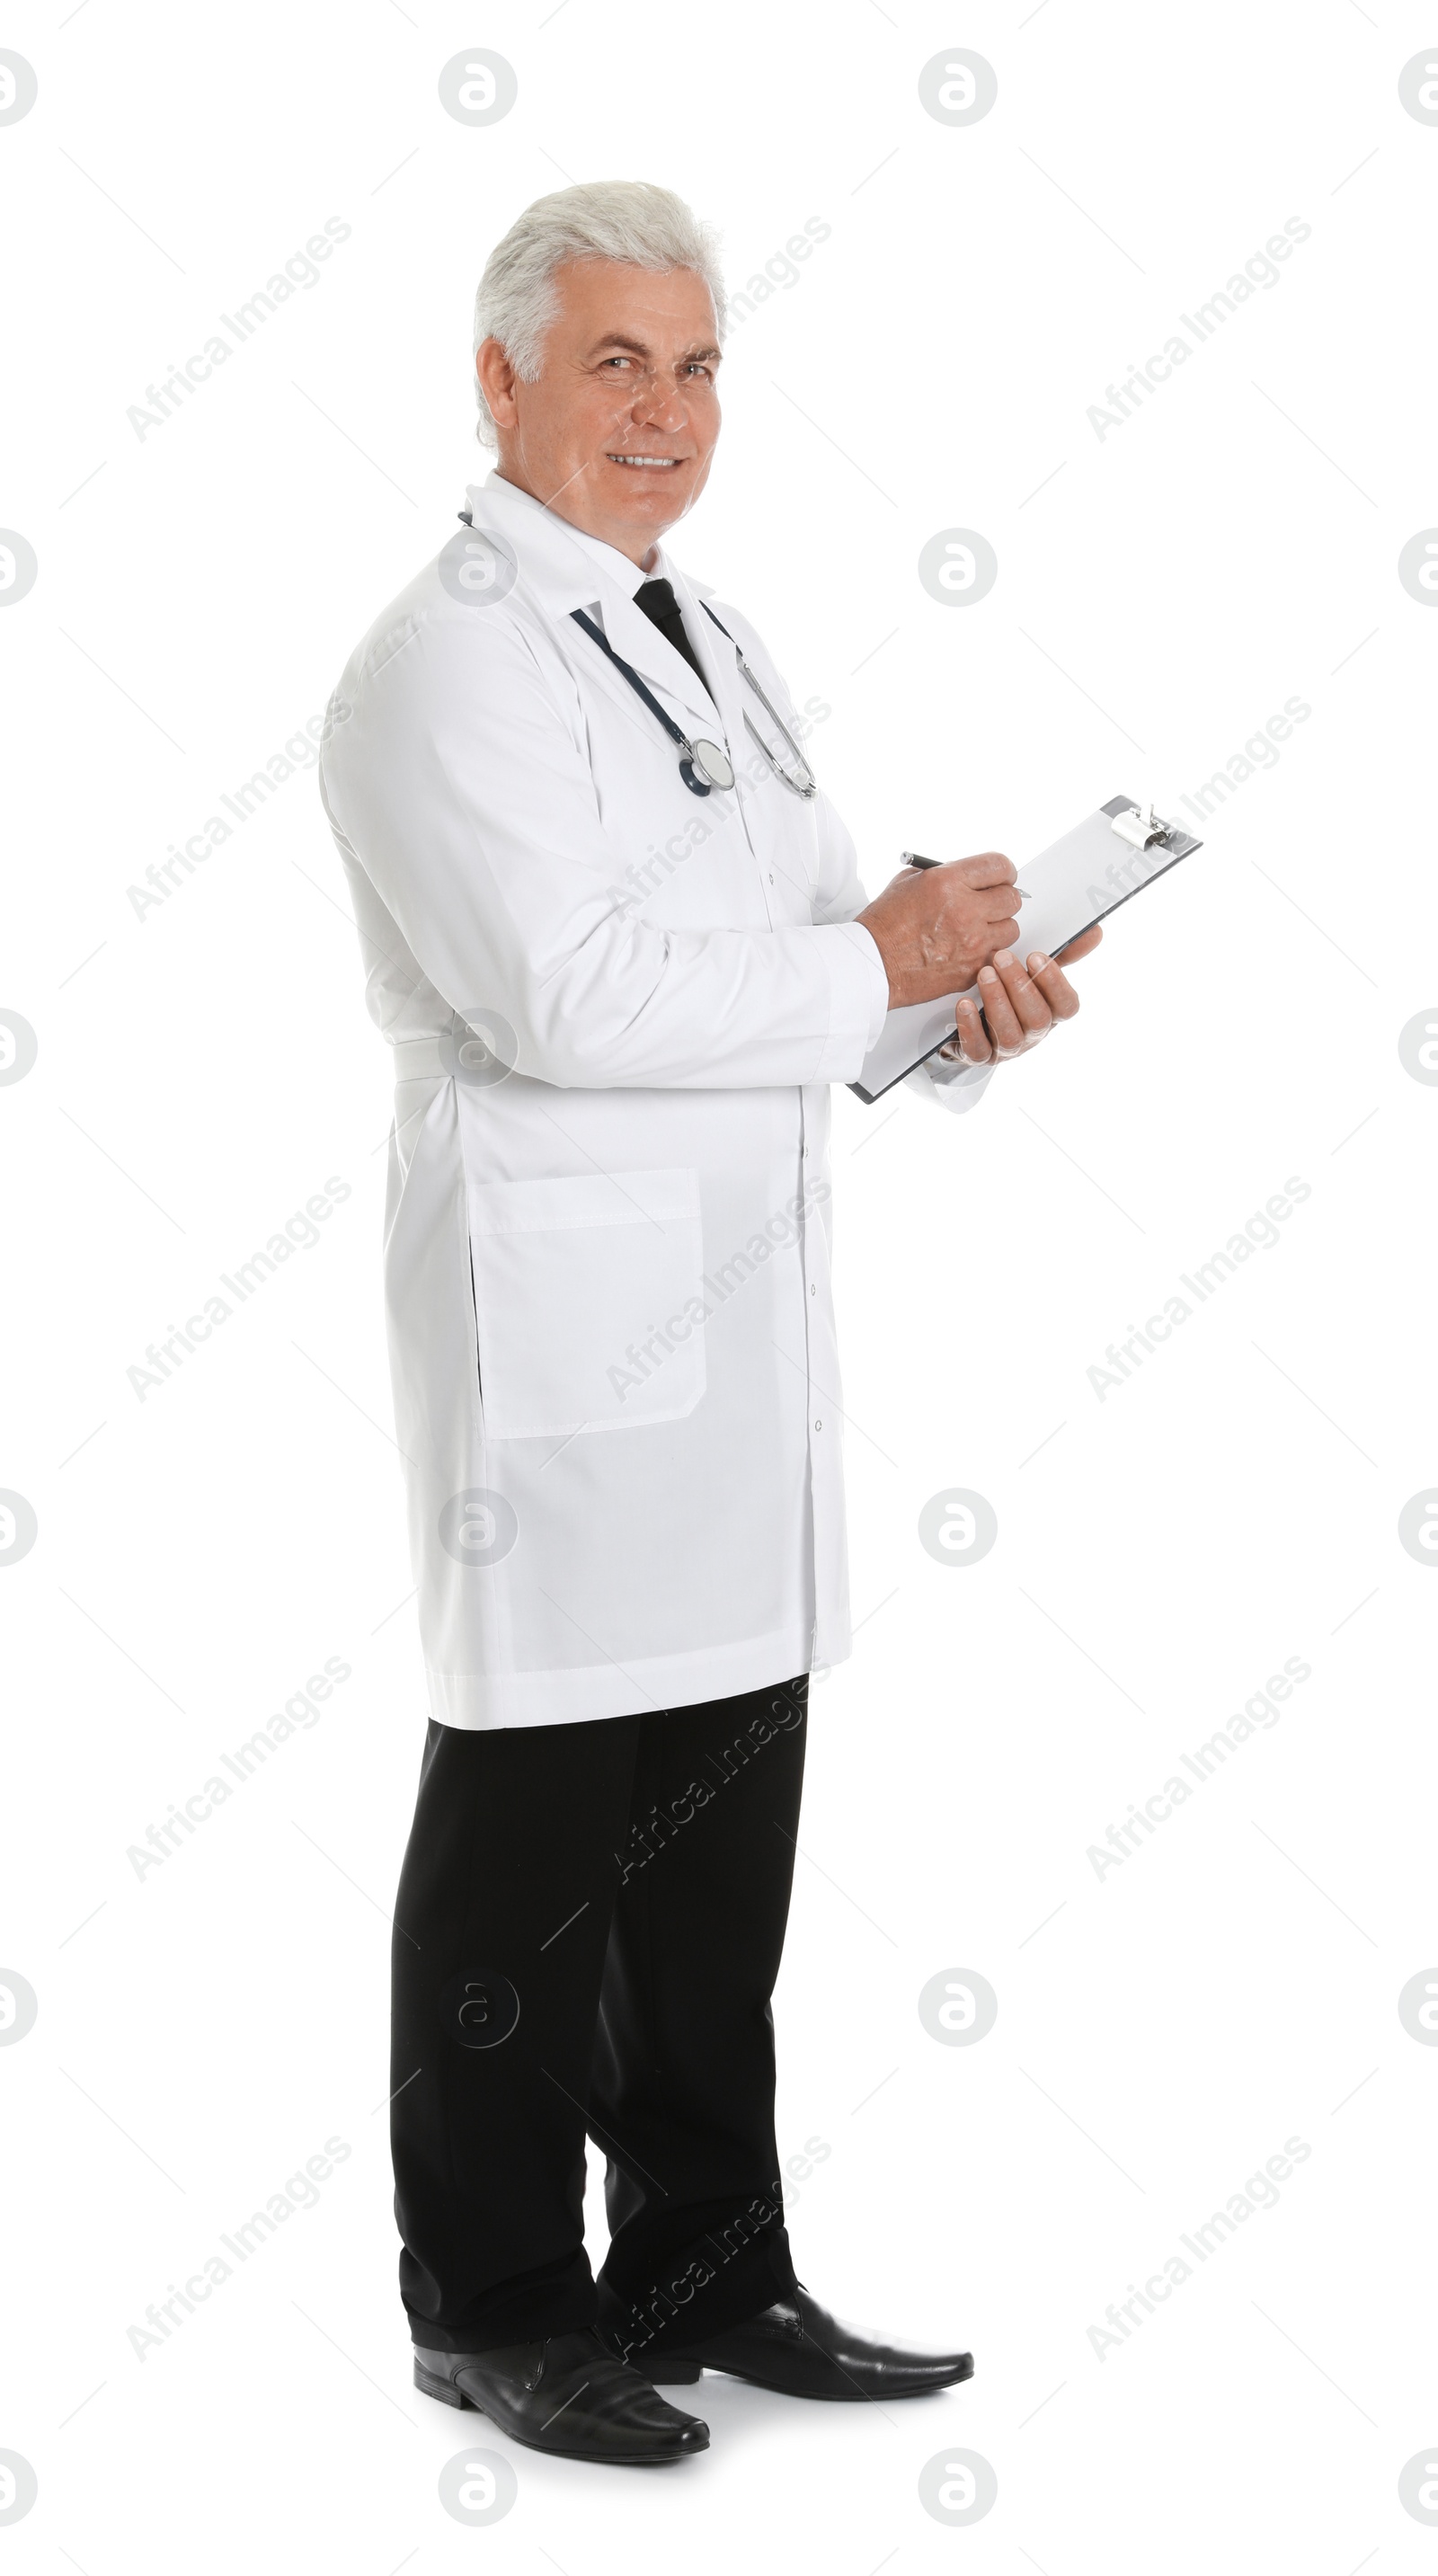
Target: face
[{"x": 618, "y": 430}]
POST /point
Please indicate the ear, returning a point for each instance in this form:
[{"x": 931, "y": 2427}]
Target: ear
[{"x": 497, "y": 379}]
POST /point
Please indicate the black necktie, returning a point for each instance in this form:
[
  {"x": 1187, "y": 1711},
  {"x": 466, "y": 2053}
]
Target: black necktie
[{"x": 660, "y": 606}]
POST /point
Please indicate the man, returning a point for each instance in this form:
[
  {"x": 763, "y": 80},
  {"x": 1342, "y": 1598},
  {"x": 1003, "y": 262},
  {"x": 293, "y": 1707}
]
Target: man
[{"x": 619, "y": 946}]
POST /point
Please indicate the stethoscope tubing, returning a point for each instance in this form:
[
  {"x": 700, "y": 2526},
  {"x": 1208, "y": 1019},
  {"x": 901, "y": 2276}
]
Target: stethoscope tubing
[
  {"x": 693, "y": 755},
  {"x": 806, "y": 786}
]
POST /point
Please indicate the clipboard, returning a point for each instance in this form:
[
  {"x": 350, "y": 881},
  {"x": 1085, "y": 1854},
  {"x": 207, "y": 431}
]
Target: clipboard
[{"x": 1079, "y": 880}]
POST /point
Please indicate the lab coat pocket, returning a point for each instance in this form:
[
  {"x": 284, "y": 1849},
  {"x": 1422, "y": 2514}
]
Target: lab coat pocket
[{"x": 588, "y": 1301}]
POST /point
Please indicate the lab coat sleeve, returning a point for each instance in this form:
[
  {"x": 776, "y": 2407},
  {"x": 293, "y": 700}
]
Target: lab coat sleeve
[
  {"x": 461, "y": 785},
  {"x": 955, "y": 1087}
]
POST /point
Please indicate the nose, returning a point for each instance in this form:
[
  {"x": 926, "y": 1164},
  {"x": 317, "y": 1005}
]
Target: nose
[{"x": 661, "y": 405}]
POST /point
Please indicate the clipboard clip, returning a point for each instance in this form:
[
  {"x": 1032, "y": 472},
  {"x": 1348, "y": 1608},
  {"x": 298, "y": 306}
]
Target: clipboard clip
[{"x": 1140, "y": 829}]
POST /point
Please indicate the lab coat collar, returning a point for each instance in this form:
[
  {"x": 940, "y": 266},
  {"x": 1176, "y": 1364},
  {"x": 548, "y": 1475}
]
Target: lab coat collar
[{"x": 568, "y": 573}]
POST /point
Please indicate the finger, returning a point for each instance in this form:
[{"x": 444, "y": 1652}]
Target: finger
[
  {"x": 1030, "y": 1007},
  {"x": 973, "y": 1038},
  {"x": 990, "y": 868},
  {"x": 1000, "y": 904},
  {"x": 1080, "y": 947},
  {"x": 1004, "y": 1024},
  {"x": 998, "y": 925},
  {"x": 1054, "y": 985}
]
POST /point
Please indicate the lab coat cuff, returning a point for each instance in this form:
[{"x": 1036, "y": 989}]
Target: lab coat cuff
[
  {"x": 956, "y": 1087},
  {"x": 858, "y": 999}
]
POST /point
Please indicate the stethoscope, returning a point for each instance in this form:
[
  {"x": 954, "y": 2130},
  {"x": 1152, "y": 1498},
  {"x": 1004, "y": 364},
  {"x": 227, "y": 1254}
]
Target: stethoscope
[{"x": 705, "y": 765}]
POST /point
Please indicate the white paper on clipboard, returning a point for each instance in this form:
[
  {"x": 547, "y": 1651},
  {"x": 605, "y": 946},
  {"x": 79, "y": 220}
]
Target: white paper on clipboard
[{"x": 1076, "y": 882}]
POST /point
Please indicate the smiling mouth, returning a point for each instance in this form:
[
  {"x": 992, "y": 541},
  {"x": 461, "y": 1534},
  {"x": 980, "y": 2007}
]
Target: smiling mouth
[{"x": 661, "y": 464}]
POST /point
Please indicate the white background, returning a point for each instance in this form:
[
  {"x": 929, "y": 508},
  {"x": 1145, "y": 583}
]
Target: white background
[{"x": 204, "y": 1068}]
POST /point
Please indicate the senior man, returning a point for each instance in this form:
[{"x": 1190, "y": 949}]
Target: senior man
[{"x": 619, "y": 946}]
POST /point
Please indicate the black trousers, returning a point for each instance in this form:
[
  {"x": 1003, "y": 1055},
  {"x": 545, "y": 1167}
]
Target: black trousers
[{"x": 588, "y": 1928}]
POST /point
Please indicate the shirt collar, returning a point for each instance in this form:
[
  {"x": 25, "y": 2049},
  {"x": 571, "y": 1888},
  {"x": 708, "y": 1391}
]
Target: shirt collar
[
  {"x": 621, "y": 569},
  {"x": 569, "y": 570},
  {"x": 561, "y": 559}
]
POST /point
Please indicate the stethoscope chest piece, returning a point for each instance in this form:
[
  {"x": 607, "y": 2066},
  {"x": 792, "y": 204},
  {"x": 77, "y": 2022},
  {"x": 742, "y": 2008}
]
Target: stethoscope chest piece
[{"x": 704, "y": 766}]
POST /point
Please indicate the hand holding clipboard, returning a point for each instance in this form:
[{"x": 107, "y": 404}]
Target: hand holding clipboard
[{"x": 935, "y": 951}]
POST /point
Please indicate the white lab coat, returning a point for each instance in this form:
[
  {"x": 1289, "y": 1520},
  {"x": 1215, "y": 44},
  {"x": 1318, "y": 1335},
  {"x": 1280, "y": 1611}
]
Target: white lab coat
[{"x": 606, "y": 1273}]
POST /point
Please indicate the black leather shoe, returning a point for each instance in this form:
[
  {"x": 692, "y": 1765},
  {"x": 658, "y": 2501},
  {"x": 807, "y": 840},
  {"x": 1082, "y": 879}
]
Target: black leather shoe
[
  {"x": 568, "y": 2396},
  {"x": 798, "y": 2349}
]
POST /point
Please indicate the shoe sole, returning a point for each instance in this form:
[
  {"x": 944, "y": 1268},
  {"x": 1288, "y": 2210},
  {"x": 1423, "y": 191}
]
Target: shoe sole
[
  {"x": 447, "y": 2394},
  {"x": 682, "y": 2374}
]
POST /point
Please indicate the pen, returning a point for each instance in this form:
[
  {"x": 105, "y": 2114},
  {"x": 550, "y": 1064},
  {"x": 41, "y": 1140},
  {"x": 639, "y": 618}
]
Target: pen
[{"x": 911, "y": 859}]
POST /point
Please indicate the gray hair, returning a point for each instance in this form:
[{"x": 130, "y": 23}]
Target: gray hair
[{"x": 620, "y": 219}]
